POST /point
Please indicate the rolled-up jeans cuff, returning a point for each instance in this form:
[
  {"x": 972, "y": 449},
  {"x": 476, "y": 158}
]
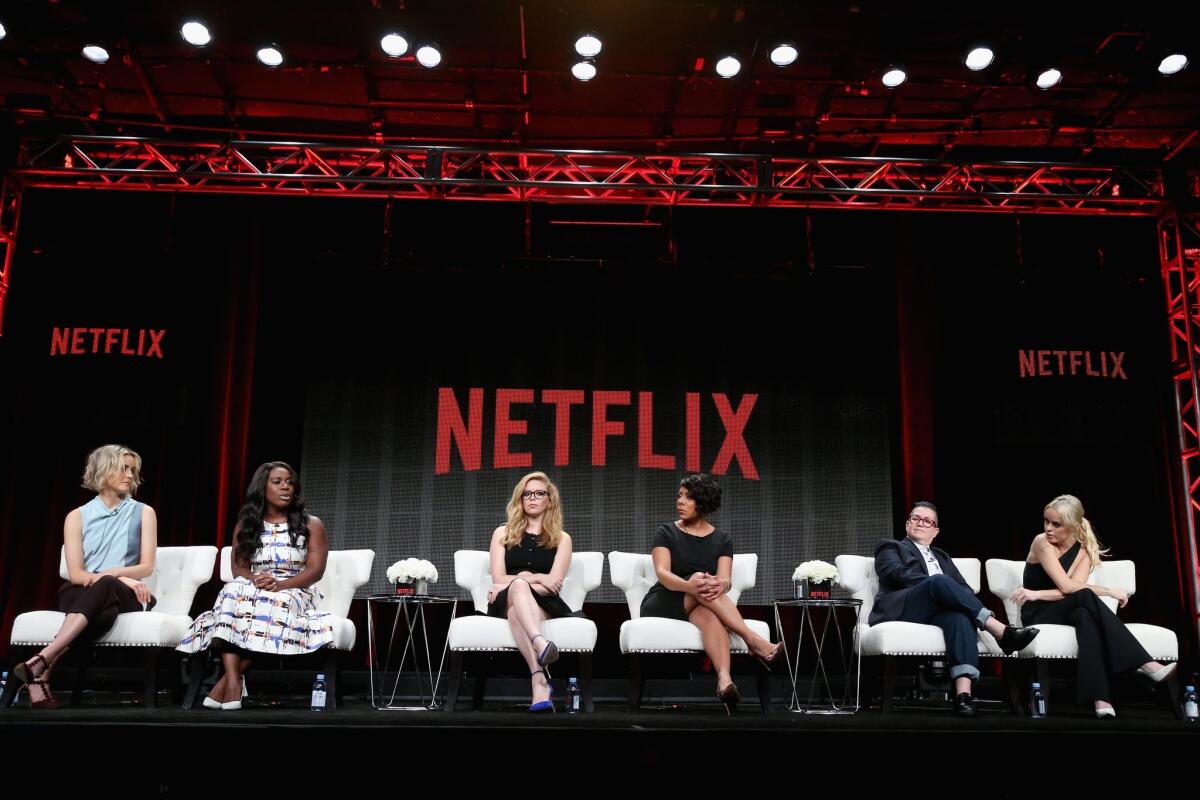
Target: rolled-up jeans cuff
[
  {"x": 984, "y": 615},
  {"x": 959, "y": 670}
]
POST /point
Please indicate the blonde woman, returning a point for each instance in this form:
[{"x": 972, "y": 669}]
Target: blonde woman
[
  {"x": 1055, "y": 591},
  {"x": 110, "y": 544},
  {"x": 530, "y": 556}
]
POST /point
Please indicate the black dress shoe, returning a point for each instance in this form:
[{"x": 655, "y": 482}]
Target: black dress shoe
[
  {"x": 964, "y": 705},
  {"x": 1015, "y": 639}
]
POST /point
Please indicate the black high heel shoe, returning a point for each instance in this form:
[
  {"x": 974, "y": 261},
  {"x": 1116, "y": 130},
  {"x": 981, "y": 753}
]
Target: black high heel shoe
[{"x": 730, "y": 697}]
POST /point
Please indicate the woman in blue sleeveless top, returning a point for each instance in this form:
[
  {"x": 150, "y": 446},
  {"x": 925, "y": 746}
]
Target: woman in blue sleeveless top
[
  {"x": 110, "y": 546},
  {"x": 1055, "y": 590}
]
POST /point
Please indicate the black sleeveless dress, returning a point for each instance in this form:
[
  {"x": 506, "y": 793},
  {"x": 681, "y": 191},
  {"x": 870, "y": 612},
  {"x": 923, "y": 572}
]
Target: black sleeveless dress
[
  {"x": 1106, "y": 647},
  {"x": 689, "y": 554},
  {"x": 530, "y": 556}
]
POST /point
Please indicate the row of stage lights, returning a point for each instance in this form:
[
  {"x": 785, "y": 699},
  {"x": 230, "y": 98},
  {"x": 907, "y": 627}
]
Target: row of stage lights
[{"x": 395, "y": 45}]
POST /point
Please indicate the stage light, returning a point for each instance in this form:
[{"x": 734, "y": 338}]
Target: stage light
[
  {"x": 96, "y": 53},
  {"x": 429, "y": 55},
  {"x": 394, "y": 44},
  {"x": 1048, "y": 79},
  {"x": 270, "y": 55},
  {"x": 1172, "y": 64},
  {"x": 784, "y": 54},
  {"x": 588, "y": 45},
  {"x": 3, "y": 32},
  {"x": 979, "y": 58},
  {"x": 585, "y": 70},
  {"x": 894, "y": 77},
  {"x": 195, "y": 33},
  {"x": 729, "y": 66}
]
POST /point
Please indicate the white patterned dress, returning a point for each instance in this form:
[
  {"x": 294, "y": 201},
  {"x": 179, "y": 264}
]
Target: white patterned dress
[{"x": 280, "y": 623}]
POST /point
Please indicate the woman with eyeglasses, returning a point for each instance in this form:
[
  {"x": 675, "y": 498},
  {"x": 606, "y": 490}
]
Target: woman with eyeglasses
[
  {"x": 694, "y": 563},
  {"x": 530, "y": 556},
  {"x": 1055, "y": 591}
]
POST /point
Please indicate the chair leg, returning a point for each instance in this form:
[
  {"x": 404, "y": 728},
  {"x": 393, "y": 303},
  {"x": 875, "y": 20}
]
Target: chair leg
[
  {"x": 150, "y": 676},
  {"x": 636, "y": 681},
  {"x": 1043, "y": 676},
  {"x": 331, "y": 679},
  {"x": 1012, "y": 686},
  {"x": 454, "y": 682},
  {"x": 480, "y": 687},
  {"x": 585, "y": 678},
  {"x": 1173, "y": 696},
  {"x": 762, "y": 681},
  {"x": 195, "y": 667},
  {"x": 889, "y": 683},
  {"x": 80, "y": 656}
]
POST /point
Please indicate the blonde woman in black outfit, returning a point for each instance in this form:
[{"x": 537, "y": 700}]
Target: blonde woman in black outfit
[
  {"x": 694, "y": 563},
  {"x": 530, "y": 557},
  {"x": 1055, "y": 591}
]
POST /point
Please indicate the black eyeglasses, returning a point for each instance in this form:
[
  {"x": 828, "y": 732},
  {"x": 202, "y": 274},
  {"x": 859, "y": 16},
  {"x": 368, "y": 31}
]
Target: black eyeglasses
[
  {"x": 924, "y": 522},
  {"x": 535, "y": 493}
]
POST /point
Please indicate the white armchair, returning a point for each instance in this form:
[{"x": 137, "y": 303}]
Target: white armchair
[
  {"x": 178, "y": 573},
  {"x": 345, "y": 571},
  {"x": 633, "y": 573},
  {"x": 895, "y": 641},
  {"x": 479, "y": 633},
  {"x": 1056, "y": 642}
]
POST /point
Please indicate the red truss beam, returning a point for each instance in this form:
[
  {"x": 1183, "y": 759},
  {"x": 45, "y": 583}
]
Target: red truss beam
[
  {"x": 581, "y": 176},
  {"x": 1179, "y": 253}
]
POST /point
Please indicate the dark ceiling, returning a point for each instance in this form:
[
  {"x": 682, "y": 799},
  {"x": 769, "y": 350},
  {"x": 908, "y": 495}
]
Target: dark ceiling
[{"x": 656, "y": 89}]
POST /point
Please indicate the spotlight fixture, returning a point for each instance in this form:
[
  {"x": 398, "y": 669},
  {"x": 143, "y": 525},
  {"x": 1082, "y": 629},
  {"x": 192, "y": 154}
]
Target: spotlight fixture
[
  {"x": 270, "y": 55},
  {"x": 95, "y": 53},
  {"x": 728, "y": 66},
  {"x": 784, "y": 54},
  {"x": 195, "y": 33},
  {"x": 585, "y": 70},
  {"x": 3, "y": 32},
  {"x": 1049, "y": 78},
  {"x": 894, "y": 77},
  {"x": 588, "y": 45},
  {"x": 429, "y": 55},
  {"x": 1172, "y": 64},
  {"x": 979, "y": 58},
  {"x": 394, "y": 44}
]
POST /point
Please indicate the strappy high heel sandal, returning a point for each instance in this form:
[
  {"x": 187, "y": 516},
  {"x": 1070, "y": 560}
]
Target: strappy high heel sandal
[{"x": 549, "y": 653}]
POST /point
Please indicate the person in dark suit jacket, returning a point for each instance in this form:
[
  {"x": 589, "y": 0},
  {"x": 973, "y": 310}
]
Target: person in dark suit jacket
[{"x": 919, "y": 583}]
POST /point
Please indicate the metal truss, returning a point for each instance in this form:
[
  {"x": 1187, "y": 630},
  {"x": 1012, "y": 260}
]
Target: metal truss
[
  {"x": 581, "y": 176},
  {"x": 10, "y": 212},
  {"x": 1179, "y": 252}
]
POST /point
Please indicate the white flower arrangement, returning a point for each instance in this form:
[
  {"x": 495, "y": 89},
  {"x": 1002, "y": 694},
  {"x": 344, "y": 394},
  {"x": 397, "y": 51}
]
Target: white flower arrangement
[
  {"x": 412, "y": 569},
  {"x": 816, "y": 572}
]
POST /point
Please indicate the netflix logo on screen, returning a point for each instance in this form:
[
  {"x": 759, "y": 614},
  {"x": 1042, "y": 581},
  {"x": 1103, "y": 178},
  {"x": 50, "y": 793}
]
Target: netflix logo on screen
[
  {"x": 1058, "y": 363},
  {"x": 460, "y": 427},
  {"x": 109, "y": 341}
]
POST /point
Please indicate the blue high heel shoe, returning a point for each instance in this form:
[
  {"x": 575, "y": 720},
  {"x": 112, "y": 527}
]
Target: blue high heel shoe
[{"x": 544, "y": 705}]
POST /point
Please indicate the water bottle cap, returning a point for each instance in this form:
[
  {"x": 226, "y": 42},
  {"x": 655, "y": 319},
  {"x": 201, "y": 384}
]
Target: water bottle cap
[
  {"x": 570, "y": 680},
  {"x": 320, "y": 676},
  {"x": 1186, "y": 688},
  {"x": 1037, "y": 685}
]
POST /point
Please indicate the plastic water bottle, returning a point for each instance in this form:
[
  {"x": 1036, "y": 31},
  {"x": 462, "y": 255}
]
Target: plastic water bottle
[
  {"x": 318, "y": 693},
  {"x": 3, "y": 681},
  {"x": 1037, "y": 702},
  {"x": 1190, "y": 710},
  {"x": 572, "y": 696}
]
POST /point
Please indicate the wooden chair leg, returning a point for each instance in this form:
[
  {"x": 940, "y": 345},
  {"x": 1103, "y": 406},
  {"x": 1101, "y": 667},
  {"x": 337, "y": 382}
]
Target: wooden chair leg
[
  {"x": 150, "y": 676},
  {"x": 195, "y": 667},
  {"x": 331, "y": 679},
  {"x": 636, "y": 681},
  {"x": 454, "y": 680},
  {"x": 585, "y": 678},
  {"x": 889, "y": 683}
]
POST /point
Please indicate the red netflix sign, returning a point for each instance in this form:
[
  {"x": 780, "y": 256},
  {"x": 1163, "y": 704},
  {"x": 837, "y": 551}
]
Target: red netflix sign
[
  {"x": 464, "y": 432},
  {"x": 119, "y": 341},
  {"x": 1058, "y": 363}
]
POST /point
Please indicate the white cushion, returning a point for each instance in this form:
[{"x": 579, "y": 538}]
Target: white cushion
[
  {"x": 662, "y": 635},
  {"x": 345, "y": 571},
  {"x": 857, "y": 575},
  {"x": 178, "y": 573},
  {"x": 473, "y": 572},
  {"x": 478, "y": 632},
  {"x": 1058, "y": 641}
]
